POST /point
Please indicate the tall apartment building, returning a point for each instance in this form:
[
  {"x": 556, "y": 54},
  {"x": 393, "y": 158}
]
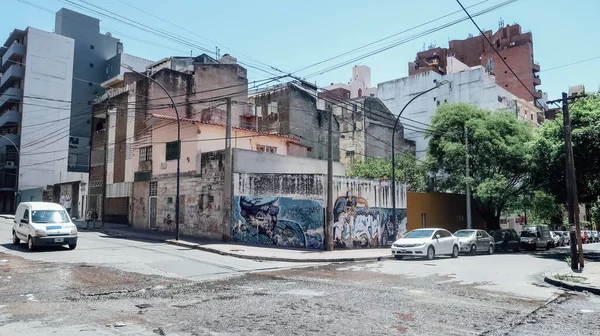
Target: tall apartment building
[
  {"x": 48, "y": 84},
  {"x": 359, "y": 85},
  {"x": 35, "y": 95},
  {"x": 515, "y": 47}
]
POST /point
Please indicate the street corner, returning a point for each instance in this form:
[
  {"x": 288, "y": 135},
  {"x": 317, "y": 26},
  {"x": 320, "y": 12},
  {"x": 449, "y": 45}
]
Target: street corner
[{"x": 587, "y": 280}]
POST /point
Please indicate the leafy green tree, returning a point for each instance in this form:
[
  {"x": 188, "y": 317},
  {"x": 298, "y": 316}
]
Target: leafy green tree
[
  {"x": 545, "y": 209},
  {"x": 549, "y": 152},
  {"x": 499, "y": 156},
  {"x": 408, "y": 170}
]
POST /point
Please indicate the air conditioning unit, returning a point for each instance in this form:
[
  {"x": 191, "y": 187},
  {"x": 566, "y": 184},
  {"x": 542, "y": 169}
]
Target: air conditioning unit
[
  {"x": 10, "y": 164},
  {"x": 512, "y": 44}
]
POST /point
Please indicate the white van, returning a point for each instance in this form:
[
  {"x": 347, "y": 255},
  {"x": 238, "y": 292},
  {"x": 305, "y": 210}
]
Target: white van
[{"x": 43, "y": 224}]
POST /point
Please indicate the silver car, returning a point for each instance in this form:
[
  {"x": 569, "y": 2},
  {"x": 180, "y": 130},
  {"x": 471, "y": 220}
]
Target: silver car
[{"x": 473, "y": 241}]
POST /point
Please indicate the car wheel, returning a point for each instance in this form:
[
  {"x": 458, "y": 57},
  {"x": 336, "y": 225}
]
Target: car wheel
[
  {"x": 30, "y": 244},
  {"x": 473, "y": 250},
  {"x": 16, "y": 239},
  {"x": 455, "y": 252},
  {"x": 430, "y": 253},
  {"x": 73, "y": 246},
  {"x": 547, "y": 247},
  {"x": 491, "y": 249}
]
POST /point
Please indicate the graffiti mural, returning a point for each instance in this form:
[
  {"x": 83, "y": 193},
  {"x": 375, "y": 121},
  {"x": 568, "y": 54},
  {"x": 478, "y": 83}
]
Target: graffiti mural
[
  {"x": 356, "y": 225},
  {"x": 280, "y": 221}
]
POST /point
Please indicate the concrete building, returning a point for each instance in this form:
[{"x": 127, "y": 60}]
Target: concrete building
[
  {"x": 366, "y": 127},
  {"x": 291, "y": 109},
  {"x": 359, "y": 85},
  {"x": 120, "y": 119},
  {"x": 515, "y": 47},
  {"x": 473, "y": 85},
  {"x": 35, "y": 102}
]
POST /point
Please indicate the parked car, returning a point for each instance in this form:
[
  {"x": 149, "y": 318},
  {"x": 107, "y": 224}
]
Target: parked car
[
  {"x": 555, "y": 239},
  {"x": 595, "y": 238},
  {"x": 506, "y": 240},
  {"x": 426, "y": 243},
  {"x": 536, "y": 236},
  {"x": 43, "y": 223},
  {"x": 564, "y": 236},
  {"x": 584, "y": 237},
  {"x": 474, "y": 241}
]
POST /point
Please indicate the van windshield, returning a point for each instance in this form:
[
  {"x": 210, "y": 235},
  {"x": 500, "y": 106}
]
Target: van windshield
[
  {"x": 49, "y": 216},
  {"x": 528, "y": 233}
]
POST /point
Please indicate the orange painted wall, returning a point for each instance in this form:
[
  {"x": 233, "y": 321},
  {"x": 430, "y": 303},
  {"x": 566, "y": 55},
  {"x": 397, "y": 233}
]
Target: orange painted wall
[{"x": 447, "y": 211}]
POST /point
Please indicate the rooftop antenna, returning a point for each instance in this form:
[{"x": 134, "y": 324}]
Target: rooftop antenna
[
  {"x": 217, "y": 52},
  {"x": 501, "y": 23}
]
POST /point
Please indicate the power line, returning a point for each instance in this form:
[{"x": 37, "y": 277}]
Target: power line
[{"x": 498, "y": 53}]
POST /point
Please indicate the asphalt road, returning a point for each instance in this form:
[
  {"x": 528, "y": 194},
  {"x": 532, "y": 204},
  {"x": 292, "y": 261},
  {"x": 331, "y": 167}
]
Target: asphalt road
[
  {"x": 145, "y": 257},
  {"x": 113, "y": 286}
]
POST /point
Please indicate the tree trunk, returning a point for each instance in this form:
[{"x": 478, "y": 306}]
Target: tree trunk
[{"x": 489, "y": 215}]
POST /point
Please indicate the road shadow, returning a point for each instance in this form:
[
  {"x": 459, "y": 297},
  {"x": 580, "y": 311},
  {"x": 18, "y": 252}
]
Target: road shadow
[
  {"x": 561, "y": 254},
  {"x": 23, "y": 248}
]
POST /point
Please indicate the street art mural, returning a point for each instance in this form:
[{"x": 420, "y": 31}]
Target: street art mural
[
  {"x": 356, "y": 225},
  {"x": 281, "y": 221}
]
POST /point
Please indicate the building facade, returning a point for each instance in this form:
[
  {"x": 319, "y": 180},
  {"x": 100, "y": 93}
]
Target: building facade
[
  {"x": 291, "y": 109},
  {"x": 472, "y": 85},
  {"x": 515, "y": 47},
  {"x": 359, "y": 85},
  {"x": 366, "y": 127}
]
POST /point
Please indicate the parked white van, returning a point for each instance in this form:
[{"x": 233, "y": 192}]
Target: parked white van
[{"x": 43, "y": 224}]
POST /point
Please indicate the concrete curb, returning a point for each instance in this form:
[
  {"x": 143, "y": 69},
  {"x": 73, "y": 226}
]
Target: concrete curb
[
  {"x": 570, "y": 285},
  {"x": 242, "y": 256}
]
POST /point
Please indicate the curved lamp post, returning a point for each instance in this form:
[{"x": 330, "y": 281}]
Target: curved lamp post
[
  {"x": 17, "y": 170},
  {"x": 178, "y": 145},
  {"x": 394, "y": 150}
]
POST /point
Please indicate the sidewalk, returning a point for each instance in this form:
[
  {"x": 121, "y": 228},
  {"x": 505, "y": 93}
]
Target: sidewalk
[
  {"x": 243, "y": 251},
  {"x": 587, "y": 280}
]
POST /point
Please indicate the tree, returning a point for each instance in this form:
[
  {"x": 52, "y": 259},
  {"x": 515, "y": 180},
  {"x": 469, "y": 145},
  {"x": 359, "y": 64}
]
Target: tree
[
  {"x": 499, "y": 156},
  {"x": 408, "y": 170},
  {"x": 549, "y": 152}
]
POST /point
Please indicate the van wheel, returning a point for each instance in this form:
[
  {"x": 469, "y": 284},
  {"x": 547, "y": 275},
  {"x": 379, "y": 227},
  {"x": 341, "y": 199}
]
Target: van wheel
[
  {"x": 72, "y": 246},
  {"x": 30, "y": 244},
  {"x": 16, "y": 239}
]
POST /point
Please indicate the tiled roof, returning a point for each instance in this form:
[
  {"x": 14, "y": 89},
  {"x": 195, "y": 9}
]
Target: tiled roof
[{"x": 194, "y": 121}]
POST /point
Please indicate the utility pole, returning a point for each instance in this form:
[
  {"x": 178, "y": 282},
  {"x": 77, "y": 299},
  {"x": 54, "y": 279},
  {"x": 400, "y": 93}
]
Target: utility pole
[
  {"x": 468, "y": 193},
  {"x": 572, "y": 199},
  {"x": 105, "y": 171},
  {"x": 228, "y": 189},
  {"x": 329, "y": 221}
]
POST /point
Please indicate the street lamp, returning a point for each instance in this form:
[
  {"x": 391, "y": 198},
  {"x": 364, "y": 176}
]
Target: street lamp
[
  {"x": 17, "y": 170},
  {"x": 178, "y": 145},
  {"x": 437, "y": 85}
]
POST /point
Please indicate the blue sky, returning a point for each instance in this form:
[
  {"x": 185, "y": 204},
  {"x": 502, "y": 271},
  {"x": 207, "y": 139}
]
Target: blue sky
[{"x": 291, "y": 35}]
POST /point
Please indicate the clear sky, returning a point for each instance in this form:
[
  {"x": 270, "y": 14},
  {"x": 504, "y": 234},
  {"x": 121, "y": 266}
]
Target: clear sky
[{"x": 291, "y": 35}]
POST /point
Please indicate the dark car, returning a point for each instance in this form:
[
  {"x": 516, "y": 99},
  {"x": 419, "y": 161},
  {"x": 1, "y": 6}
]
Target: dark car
[{"x": 506, "y": 240}]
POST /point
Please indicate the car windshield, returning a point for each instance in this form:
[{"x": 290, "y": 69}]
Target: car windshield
[
  {"x": 464, "y": 233},
  {"x": 528, "y": 233},
  {"x": 419, "y": 234},
  {"x": 49, "y": 216}
]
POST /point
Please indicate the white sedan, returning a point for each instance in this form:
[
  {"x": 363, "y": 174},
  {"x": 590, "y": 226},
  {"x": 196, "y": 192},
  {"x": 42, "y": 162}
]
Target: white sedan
[{"x": 426, "y": 243}]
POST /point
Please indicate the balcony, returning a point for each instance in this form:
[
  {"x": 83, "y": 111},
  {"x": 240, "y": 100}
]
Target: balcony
[
  {"x": 536, "y": 80},
  {"x": 10, "y": 117},
  {"x": 537, "y": 94},
  {"x": 535, "y": 67},
  {"x": 15, "y": 53},
  {"x": 11, "y": 95},
  {"x": 14, "y": 73}
]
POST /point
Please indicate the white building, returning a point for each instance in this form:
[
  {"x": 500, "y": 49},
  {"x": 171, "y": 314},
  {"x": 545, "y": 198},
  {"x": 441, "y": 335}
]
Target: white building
[
  {"x": 469, "y": 85},
  {"x": 359, "y": 85},
  {"x": 37, "y": 82}
]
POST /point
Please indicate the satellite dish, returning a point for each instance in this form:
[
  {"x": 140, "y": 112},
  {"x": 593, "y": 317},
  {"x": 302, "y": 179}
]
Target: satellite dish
[{"x": 108, "y": 34}]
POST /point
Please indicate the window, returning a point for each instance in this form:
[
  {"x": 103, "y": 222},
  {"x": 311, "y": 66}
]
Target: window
[
  {"x": 26, "y": 214},
  {"x": 266, "y": 149},
  {"x": 272, "y": 108},
  {"x": 146, "y": 154},
  {"x": 49, "y": 216},
  {"x": 91, "y": 65},
  {"x": 532, "y": 116},
  {"x": 153, "y": 188},
  {"x": 350, "y": 153},
  {"x": 172, "y": 152},
  {"x": 92, "y": 47}
]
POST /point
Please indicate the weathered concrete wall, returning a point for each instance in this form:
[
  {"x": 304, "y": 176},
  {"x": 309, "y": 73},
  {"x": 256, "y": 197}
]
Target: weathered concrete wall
[
  {"x": 200, "y": 208},
  {"x": 139, "y": 204},
  {"x": 257, "y": 162}
]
